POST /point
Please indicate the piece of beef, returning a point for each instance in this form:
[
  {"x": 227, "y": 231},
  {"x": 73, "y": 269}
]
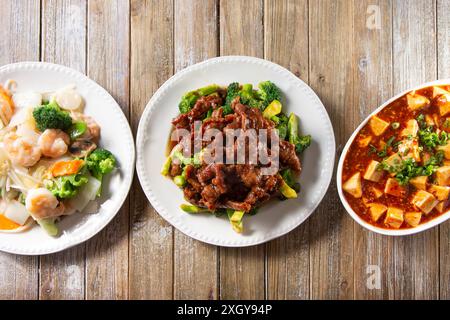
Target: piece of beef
[
  {"x": 288, "y": 157},
  {"x": 236, "y": 186},
  {"x": 203, "y": 104}
]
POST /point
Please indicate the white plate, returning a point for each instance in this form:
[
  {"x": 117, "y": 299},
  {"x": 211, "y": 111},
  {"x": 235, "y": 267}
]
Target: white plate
[
  {"x": 116, "y": 136},
  {"x": 353, "y": 214},
  {"x": 273, "y": 219}
]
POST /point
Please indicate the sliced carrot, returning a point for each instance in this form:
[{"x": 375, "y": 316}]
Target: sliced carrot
[
  {"x": 6, "y": 224},
  {"x": 65, "y": 168},
  {"x": 6, "y": 106}
]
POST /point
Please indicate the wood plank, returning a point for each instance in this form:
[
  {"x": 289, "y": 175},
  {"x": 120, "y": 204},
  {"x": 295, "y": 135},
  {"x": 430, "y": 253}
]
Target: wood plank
[
  {"x": 332, "y": 77},
  {"x": 108, "y": 64},
  {"x": 19, "y": 274},
  {"x": 288, "y": 263},
  {"x": 443, "y": 47},
  {"x": 196, "y": 34},
  {"x": 62, "y": 275},
  {"x": 242, "y": 271},
  {"x": 414, "y": 62},
  {"x": 151, "y": 238},
  {"x": 372, "y": 86}
]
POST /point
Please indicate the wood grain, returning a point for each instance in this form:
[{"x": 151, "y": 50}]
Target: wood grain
[
  {"x": 372, "y": 86},
  {"x": 443, "y": 49},
  {"x": 151, "y": 238},
  {"x": 62, "y": 275},
  {"x": 108, "y": 64},
  {"x": 332, "y": 77},
  {"x": 242, "y": 271},
  {"x": 195, "y": 36},
  {"x": 414, "y": 62},
  {"x": 288, "y": 263},
  {"x": 19, "y": 274}
]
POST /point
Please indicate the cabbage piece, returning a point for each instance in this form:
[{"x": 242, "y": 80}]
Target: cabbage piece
[
  {"x": 85, "y": 194},
  {"x": 15, "y": 211}
]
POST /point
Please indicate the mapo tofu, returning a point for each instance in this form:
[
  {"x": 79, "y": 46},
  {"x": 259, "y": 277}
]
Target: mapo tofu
[{"x": 396, "y": 173}]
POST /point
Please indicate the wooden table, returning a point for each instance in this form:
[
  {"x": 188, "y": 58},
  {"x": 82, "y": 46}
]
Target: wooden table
[{"x": 354, "y": 54}]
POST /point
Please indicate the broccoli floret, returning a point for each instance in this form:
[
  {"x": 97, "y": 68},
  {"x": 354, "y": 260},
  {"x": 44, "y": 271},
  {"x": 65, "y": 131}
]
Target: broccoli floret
[
  {"x": 66, "y": 186},
  {"x": 282, "y": 126},
  {"x": 302, "y": 142},
  {"x": 249, "y": 97},
  {"x": 232, "y": 92},
  {"x": 268, "y": 92},
  {"x": 190, "y": 98},
  {"x": 50, "y": 116},
  {"x": 100, "y": 162}
]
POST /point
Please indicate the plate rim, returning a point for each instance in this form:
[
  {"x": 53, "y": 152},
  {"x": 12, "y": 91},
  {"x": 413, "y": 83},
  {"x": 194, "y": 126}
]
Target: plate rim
[
  {"x": 387, "y": 232},
  {"x": 92, "y": 84},
  {"x": 146, "y": 116}
]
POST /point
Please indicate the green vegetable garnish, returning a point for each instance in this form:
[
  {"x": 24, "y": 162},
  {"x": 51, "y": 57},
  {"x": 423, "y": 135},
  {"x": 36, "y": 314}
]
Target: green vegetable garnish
[
  {"x": 272, "y": 109},
  {"x": 77, "y": 129},
  {"x": 166, "y": 166},
  {"x": 300, "y": 142},
  {"x": 395, "y": 125},
  {"x": 49, "y": 226},
  {"x": 65, "y": 187},
  {"x": 190, "y": 208},
  {"x": 408, "y": 168},
  {"x": 432, "y": 139},
  {"x": 179, "y": 180}
]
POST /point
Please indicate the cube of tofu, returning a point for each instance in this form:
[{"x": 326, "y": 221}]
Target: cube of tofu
[
  {"x": 394, "y": 188},
  {"x": 437, "y": 91},
  {"x": 441, "y": 206},
  {"x": 443, "y": 176},
  {"x": 443, "y": 102},
  {"x": 441, "y": 193},
  {"x": 412, "y": 127},
  {"x": 364, "y": 141},
  {"x": 376, "y": 210},
  {"x": 394, "y": 217},
  {"x": 429, "y": 120},
  {"x": 378, "y": 125},
  {"x": 377, "y": 192},
  {"x": 425, "y": 201},
  {"x": 445, "y": 149},
  {"x": 393, "y": 160},
  {"x": 372, "y": 173},
  {"x": 419, "y": 182},
  {"x": 353, "y": 185},
  {"x": 413, "y": 218},
  {"x": 416, "y": 101},
  {"x": 409, "y": 149}
]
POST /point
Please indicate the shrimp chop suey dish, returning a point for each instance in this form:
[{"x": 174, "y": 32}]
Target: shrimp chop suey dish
[
  {"x": 50, "y": 161},
  {"x": 238, "y": 188},
  {"x": 396, "y": 173}
]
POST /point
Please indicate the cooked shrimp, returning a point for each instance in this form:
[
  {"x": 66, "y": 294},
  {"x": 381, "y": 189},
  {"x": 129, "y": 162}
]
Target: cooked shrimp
[
  {"x": 6, "y": 106},
  {"x": 41, "y": 203},
  {"x": 22, "y": 150},
  {"x": 93, "y": 129},
  {"x": 53, "y": 143}
]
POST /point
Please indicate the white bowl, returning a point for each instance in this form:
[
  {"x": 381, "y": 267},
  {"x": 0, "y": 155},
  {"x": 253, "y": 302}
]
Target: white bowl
[
  {"x": 274, "y": 218},
  {"x": 391, "y": 232},
  {"x": 116, "y": 136}
]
